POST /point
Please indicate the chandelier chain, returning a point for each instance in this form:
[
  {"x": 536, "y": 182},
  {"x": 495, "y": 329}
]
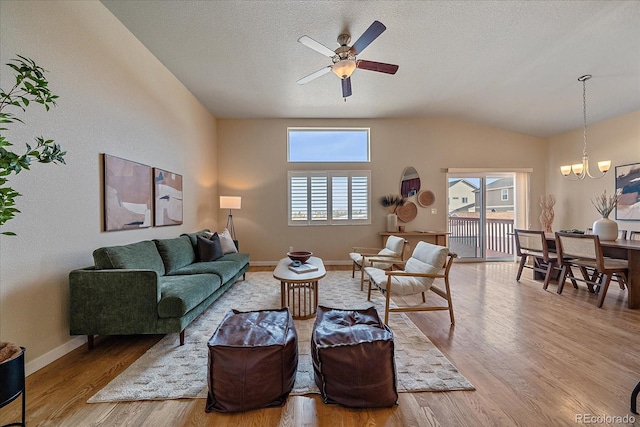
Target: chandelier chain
[{"x": 584, "y": 115}]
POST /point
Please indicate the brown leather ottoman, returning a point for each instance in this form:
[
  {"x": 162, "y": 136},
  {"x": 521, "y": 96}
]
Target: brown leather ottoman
[
  {"x": 253, "y": 357},
  {"x": 352, "y": 352}
]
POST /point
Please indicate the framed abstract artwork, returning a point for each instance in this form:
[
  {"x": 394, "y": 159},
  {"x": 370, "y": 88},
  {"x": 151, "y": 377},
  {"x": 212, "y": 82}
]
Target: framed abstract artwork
[
  {"x": 628, "y": 186},
  {"x": 167, "y": 197},
  {"x": 127, "y": 194}
]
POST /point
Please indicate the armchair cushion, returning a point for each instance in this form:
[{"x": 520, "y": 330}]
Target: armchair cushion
[
  {"x": 395, "y": 245},
  {"x": 427, "y": 253},
  {"x": 357, "y": 258},
  {"x": 393, "y": 248},
  {"x": 426, "y": 259}
]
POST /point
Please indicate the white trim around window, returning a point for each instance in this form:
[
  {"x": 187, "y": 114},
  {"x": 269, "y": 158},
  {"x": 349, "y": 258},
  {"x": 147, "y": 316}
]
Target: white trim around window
[{"x": 329, "y": 198}]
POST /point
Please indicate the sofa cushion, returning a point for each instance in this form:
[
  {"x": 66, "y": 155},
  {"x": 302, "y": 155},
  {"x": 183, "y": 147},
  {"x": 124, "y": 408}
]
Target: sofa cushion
[
  {"x": 193, "y": 237},
  {"x": 226, "y": 270},
  {"x": 140, "y": 255},
  {"x": 238, "y": 257},
  {"x": 181, "y": 294},
  {"x": 209, "y": 249},
  {"x": 176, "y": 253}
]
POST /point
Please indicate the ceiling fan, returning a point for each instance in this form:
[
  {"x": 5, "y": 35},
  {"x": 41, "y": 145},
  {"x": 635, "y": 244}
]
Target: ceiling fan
[{"x": 344, "y": 58}]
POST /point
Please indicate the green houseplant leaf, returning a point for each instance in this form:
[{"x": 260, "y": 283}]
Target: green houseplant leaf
[{"x": 30, "y": 86}]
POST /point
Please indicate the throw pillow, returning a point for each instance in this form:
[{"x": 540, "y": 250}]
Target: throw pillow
[
  {"x": 209, "y": 249},
  {"x": 226, "y": 241}
]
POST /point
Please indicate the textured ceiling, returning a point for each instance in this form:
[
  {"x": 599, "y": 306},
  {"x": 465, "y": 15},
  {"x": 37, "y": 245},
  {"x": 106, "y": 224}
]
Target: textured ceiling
[{"x": 508, "y": 64}]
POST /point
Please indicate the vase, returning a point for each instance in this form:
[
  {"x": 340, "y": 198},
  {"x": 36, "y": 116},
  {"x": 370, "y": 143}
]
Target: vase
[
  {"x": 392, "y": 223},
  {"x": 605, "y": 229}
]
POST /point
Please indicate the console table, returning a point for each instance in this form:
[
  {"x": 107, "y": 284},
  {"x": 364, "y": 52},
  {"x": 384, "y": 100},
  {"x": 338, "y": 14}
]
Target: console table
[{"x": 413, "y": 237}]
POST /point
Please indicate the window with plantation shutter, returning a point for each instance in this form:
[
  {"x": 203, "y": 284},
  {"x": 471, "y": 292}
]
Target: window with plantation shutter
[{"x": 329, "y": 197}]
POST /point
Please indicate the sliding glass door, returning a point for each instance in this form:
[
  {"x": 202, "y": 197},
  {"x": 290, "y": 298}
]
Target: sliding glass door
[{"x": 481, "y": 215}]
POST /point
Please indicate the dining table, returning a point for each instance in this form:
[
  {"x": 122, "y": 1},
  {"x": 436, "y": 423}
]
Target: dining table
[{"x": 620, "y": 249}]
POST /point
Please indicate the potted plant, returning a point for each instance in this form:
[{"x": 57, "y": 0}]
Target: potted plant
[
  {"x": 392, "y": 202},
  {"x": 605, "y": 228},
  {"x": 31, "y": 87}
]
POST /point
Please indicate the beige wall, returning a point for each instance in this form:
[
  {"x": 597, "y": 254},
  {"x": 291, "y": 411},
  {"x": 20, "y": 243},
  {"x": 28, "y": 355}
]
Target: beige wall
[
  {"x": 617, "y": 140},
  {"x": 253, "y": 164},
  {"x": 115, "y": 98}
]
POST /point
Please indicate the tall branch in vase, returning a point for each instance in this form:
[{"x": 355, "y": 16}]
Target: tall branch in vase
[{"x": 546, "y": 217}]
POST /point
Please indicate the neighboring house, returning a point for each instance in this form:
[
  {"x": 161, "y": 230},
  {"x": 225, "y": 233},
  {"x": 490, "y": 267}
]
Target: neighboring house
[
  {"x": 500, "y": 195},
  {"x": 462, "y": 196}
]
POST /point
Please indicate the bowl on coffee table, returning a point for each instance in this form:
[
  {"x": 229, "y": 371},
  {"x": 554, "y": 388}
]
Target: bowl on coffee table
[{"x": 301, "y": 256}]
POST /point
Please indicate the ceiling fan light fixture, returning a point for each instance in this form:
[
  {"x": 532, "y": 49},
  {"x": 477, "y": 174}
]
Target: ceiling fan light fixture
[{"x": 344, "y": 68}]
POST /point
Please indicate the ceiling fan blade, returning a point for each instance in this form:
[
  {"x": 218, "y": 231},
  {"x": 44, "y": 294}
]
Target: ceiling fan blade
[
  {"x": 320, "y": 72},
  {"x": 309, "y": 42},
  {"x": 346, "y": 87},
  {"x": 380, "y": 67},
  {"x": 368, "y": 36}
]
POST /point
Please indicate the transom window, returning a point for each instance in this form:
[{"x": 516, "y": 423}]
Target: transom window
[
  {"x": 328, "y": 145},
  {"x": 329, "y": 197}
]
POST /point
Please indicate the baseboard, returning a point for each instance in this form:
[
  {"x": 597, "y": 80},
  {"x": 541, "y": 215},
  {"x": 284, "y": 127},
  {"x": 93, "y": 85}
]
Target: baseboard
[
  {"x": 274, "y": 263},
  {"x": 54, "y": 355}
]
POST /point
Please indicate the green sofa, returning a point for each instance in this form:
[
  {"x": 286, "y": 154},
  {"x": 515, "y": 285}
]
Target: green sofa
[{"x": 148, "y": 287}]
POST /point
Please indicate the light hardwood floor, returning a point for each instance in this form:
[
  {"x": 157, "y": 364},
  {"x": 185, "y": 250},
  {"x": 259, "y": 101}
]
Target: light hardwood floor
[{"x": 535, "y": 357}]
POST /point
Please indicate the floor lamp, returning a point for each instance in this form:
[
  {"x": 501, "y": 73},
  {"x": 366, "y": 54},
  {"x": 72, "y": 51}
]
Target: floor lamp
[{"x": 230, "y": 202}]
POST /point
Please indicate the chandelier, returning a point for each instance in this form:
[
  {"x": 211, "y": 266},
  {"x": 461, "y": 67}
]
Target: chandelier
[{"x": 581, "y": 170}]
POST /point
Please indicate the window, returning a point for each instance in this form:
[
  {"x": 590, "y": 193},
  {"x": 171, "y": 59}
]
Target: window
[
  {"x": 327, "y": 145},
  {"x": 505, "y": 194},
  {"x": 329, "y": 197},
  {"x": 465, "y": 200}
]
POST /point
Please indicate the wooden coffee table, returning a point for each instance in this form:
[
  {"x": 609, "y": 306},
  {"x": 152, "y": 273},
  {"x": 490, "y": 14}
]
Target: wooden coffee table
[{"x": 299, "y": 291}]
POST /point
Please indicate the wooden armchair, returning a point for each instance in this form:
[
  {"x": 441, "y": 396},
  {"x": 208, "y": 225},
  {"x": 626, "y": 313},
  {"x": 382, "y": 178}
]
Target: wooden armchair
[
  {"x": 393, "y": 251},
  {"x": 427, "y": 263}
]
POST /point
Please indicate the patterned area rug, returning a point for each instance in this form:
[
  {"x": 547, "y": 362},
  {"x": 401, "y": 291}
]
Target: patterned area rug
[{"x": 170, "y": 371}]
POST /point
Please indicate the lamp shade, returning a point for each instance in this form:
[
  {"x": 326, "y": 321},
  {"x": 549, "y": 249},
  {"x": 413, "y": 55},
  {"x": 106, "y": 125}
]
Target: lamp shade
[
  {"x": 230, "y": 202},
  {"x": 344, "y": 68}
]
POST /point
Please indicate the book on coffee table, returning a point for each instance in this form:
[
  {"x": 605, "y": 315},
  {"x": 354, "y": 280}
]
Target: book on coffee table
[{"x": 303, "y": 268}]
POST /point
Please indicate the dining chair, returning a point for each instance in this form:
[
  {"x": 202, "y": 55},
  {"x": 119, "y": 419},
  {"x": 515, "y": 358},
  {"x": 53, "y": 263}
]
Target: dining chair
[
  {"x": 427, "y": 263},
  {"x": 532, "y": 245},
  {"x": 634, "y": 235},
  {"x": 585, "y": 252},
  {"x": 393, "y": 251}
]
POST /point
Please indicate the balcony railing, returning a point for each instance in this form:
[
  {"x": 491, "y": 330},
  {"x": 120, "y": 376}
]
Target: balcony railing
[{"x": 464, "y": 235}]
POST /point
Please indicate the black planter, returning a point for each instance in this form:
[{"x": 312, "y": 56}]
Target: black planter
[{"x": 12, "y": 381}]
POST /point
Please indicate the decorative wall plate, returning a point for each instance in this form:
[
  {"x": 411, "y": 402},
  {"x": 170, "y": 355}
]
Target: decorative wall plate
[
  {"x": 407, "y": 212},
  {"x": 426, "y": 198}
]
